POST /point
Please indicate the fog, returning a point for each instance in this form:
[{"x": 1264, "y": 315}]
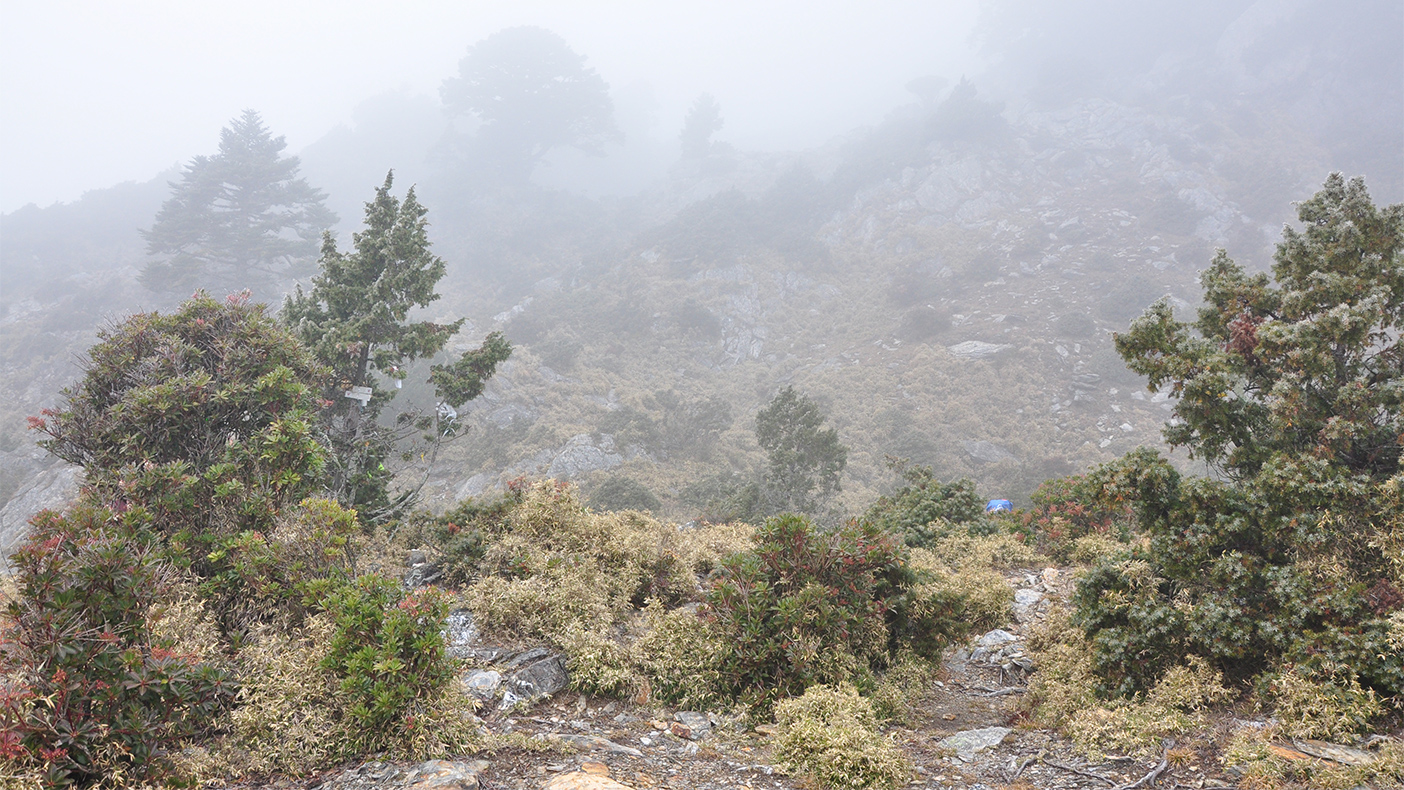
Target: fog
[
  {"x": 932, "y": 217},
  {"x": 99, "y": 93}
]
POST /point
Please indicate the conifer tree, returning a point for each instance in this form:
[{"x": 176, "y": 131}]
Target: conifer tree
[
  {"x": 356, "y": 321},
  {"x": 703, "y": 120},
  {"x": 239, "y": 219},
  {"x": 803, "y": 456}
]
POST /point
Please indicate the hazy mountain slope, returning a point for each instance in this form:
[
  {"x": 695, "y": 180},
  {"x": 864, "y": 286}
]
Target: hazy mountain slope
[{"x": 956, "y": 311}]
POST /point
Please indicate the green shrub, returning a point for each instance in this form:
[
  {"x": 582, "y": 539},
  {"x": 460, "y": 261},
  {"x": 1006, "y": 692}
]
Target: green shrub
[
  {"x": 271, "y": 577},
  {"x": 90, "y": 695},
  {"x": 459, "y": 536},
  {"x": 806, "y": 607},
  {"x": 1286, "y": 386},
  {"x": 1245, "y": 580},
  {"x": 1329, "y": 704},
  {"x": 1068, "y": 509},
  {"x": 624, "y": 493},
  {"x": 203, "y": 417},
  {"x": 925, "y": 509},
  {"x": 387, "y": 652},
  {"x": 830, "y": 737}
]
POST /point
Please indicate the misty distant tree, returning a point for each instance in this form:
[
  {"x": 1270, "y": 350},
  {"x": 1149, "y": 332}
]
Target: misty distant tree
[
  {"x": 928, "y": 88},
  {"x": 803, "y": 458},
  {"x": 533, "y": 93},
  {"x": 239, "y": 219},
  {"x": 356, "y": 321},
  {"x": 964, "y": 116},
  {"x": 703, "y": 120}
]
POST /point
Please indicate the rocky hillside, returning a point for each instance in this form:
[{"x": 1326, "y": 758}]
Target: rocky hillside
[{"x": 954, "y": 308}]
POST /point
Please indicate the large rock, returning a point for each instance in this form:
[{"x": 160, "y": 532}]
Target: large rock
[
  {"x": 446, "y": 775},
  {"x": 483, "y": 684},
  {"x": 460, "y": 633},
  {"x": 1026, "y": 604},
  {"x": 969, "y": 743},
  {"x": 540, "y": 678},
  {"x": 996, "y": 638},
  {"x": 581, "y": 455},
  {"x": 986, "y": 452}
]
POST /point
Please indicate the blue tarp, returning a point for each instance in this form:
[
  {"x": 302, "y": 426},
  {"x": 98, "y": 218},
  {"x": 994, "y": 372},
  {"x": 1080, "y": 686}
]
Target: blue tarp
[{"x": 999, "y": 506}]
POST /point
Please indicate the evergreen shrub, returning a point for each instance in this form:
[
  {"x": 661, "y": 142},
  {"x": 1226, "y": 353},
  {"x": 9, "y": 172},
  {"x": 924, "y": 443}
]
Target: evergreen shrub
[
  {"x": 925, "y": 510},
  {"x": 387, "y": 650},
  {"x": 90, "y": 695},
  {"x": 807, "y": 606}
]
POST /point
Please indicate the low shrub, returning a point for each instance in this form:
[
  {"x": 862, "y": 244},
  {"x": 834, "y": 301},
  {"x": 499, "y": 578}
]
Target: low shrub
[
  {"x": 297, "y": 713},
  {"x": 289, "y": 714},
  {"x": 1065, "y": 682},
  {"x": 999, "y": 552},
  {"x": 624, "y": 493},
  {"x": 674, "y": 657},
  {"x": 1329, "y": 703},
  {"x": 830, "y": 737},
  {"x": 806, "y": 607},
  {"x": 1174, "y": 706},
  {"x": 91, "y": 696},
  {"x": 1071, "y": 512},
  {"x": 1063, "y": 693},
  {"x": 551, "y": 564},
  {"x": 680, "y": 654},
  {"x": 903, "y": 686},
  {"x": 925, "y": 510},
  {"x": 273, "y": 577},
  {"x": 948, "y": 602},
  {"x": 387, "y": 652},
  {"x": 458, "y": 536}
]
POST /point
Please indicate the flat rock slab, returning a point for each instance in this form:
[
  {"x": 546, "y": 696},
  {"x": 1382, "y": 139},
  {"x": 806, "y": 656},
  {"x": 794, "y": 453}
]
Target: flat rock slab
[
  {"x": 446, "y": 775},
  {"x": 996, "y": 638},
  {"x": 971, "y": 742},
  {"x": 976, "y": 349},
  {"x": 1345, "y": 755},
  {"x": 583, "y": 781}
]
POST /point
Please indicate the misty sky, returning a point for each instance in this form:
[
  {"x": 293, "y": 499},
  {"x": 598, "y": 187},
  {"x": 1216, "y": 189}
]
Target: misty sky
[{"x": 95, "y": 93}]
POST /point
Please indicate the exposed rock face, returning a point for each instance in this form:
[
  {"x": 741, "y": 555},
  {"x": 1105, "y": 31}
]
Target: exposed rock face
[
  {"x": 581, "y": 455},
  {"x": 976, "y": 349},
  {"x": 986, "y": 452},
  {"x": 541, "y": 678},
  {"x": 51, "y": 489}
]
